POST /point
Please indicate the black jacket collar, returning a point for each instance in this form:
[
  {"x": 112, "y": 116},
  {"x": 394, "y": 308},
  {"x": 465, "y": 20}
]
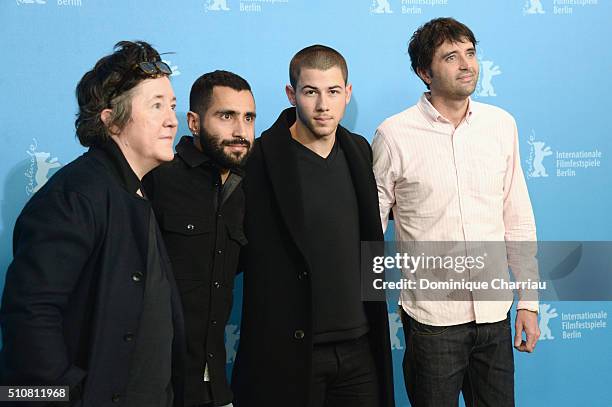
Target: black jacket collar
[
  {"x": 190, "y": 154},
  {"x": 119, "y": 166}
]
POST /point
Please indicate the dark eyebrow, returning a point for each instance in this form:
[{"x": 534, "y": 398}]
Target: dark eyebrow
[
  {"x": 227, "y": 111},
  {"x": 314, "y": 88},
  {"x": 234, "y": 113},
  {"x": 471, "y": 49}
]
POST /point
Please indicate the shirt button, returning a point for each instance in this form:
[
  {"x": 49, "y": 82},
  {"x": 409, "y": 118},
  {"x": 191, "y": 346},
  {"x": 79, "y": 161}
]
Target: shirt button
[
  {"x": 137, "y": 277},
  {"x": 220, "y": 251},
  {"x": 115, "y": 398},
  {"x": 190, "y": 227},
  {"x": 128, "y": 337},
  {"x": 216, "y": 284},
  {"x": 299, "y": 334},
  {"x": 219, "y": 215},
  {"x": 213, "y": 322},
  {"x": 210, "y": 356},
  {"x": 302, "y": 275}
]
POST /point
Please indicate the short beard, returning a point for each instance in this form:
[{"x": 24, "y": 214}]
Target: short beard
[{"x": 212, "y": 147}]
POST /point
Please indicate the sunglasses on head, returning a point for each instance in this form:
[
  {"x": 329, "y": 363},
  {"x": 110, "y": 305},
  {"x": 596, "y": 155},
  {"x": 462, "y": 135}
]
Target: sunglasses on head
[
  {"x": 154, "y": 68},
  {"x": 149, "y": 69}
]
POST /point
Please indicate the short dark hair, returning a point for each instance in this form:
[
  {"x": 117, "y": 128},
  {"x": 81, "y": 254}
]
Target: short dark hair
[
  {"x": 318, "y": 57},
  {"x": 109, "y": 85},
  {"x": 202, "y": 89},
  {"x": 427, "y": 38}
]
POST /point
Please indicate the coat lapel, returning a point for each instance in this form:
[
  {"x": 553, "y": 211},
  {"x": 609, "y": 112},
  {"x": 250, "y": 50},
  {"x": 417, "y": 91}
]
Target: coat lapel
[
  {"x": 360, "y": 165},
  {"x": 282, "y": 168}
]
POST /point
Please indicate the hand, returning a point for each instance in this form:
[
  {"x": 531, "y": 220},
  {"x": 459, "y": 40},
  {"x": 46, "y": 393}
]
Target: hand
[{"x": 526, "y": 321}]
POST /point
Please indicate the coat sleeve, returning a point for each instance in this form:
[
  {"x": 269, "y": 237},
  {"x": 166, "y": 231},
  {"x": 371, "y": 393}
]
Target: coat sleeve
[{"x": 53, "y": 241}]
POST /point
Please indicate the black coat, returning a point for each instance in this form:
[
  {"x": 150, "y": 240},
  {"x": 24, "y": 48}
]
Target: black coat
[
  {"x": 74, "y": 291},
  {"x": 274, "y": 360}
]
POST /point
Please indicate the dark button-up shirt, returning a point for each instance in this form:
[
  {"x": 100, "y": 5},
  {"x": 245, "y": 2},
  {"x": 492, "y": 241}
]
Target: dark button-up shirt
[{"x": 201, "y": 222}]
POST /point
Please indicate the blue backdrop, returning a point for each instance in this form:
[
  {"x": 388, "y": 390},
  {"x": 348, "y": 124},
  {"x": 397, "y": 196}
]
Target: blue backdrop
[{"x": 548, "y": 62}]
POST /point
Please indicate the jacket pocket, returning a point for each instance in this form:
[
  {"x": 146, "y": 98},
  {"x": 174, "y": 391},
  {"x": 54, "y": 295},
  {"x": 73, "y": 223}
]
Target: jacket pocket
[
  {"x": 187, "y": 238},
  {"x": 185, "y": 225}
]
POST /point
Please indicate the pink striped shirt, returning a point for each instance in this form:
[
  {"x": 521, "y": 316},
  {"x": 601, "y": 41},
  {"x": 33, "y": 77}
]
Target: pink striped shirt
[{"x": 453, "y": 184}]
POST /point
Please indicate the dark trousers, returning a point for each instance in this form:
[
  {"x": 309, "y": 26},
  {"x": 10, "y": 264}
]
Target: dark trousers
[
  {"x": 344, "y": 375},
  {"x": 475, "y": 359}
]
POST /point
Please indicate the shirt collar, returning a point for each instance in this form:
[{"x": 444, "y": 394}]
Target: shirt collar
[
  {"x": 121, "y": 167},
  {"x": 433, "y": 116}
]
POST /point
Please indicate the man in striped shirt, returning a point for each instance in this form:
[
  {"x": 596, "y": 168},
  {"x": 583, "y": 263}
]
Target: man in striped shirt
[{"x": 449, "y": 169}]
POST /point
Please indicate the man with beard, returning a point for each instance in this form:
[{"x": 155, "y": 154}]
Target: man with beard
[
  {"x": 450, "y": 170},
  {"x": 308, "y": 338},
  {"x": 199, "y": 202}
]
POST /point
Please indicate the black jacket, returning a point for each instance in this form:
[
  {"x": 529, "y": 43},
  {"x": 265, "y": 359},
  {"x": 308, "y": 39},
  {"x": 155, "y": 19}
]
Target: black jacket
[
  {"x": 74, "y": 291},
  {"x": 203, "y": 244},
  {"x": 274, "y": 360}
]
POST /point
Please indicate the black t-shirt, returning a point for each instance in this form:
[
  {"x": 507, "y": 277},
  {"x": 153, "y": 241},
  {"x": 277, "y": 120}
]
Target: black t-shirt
[{"x": 331, "y": 218}]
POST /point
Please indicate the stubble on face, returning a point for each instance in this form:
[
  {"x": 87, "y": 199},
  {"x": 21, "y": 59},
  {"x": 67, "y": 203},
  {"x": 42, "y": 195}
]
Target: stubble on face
[
  {"x": 320, "y": 100},
  {"x": 318, "y": 129},
  {"x": 454, "y": 70}
]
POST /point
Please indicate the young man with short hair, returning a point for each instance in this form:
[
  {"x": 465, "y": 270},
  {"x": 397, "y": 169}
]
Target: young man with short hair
[
  {"x": 307, "y": 337},
  {"x": 450, "y": 170}
]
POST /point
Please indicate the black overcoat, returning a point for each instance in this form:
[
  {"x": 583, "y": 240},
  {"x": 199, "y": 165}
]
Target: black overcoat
[
  {"x": 274, "y": 361},
  {"x": 74, "y": 291}
]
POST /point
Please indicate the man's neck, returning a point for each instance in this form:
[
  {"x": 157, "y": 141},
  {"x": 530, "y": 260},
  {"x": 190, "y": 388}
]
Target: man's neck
[
  {"x": 454, "y": 110},
  {"x": 322, "y": 146},
  {"x": 224, "y": 172}
]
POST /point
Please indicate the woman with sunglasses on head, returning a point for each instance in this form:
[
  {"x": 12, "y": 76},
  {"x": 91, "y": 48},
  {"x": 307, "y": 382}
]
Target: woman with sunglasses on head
[{"x": 90, "y": 301}]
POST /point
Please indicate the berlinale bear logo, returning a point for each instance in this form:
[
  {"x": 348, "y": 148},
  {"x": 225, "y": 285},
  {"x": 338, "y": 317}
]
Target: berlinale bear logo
[
  {"x": 40, "y": 165},
  {"x": 380, "y": 7},
  {"x": 217, "y": 5}
]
